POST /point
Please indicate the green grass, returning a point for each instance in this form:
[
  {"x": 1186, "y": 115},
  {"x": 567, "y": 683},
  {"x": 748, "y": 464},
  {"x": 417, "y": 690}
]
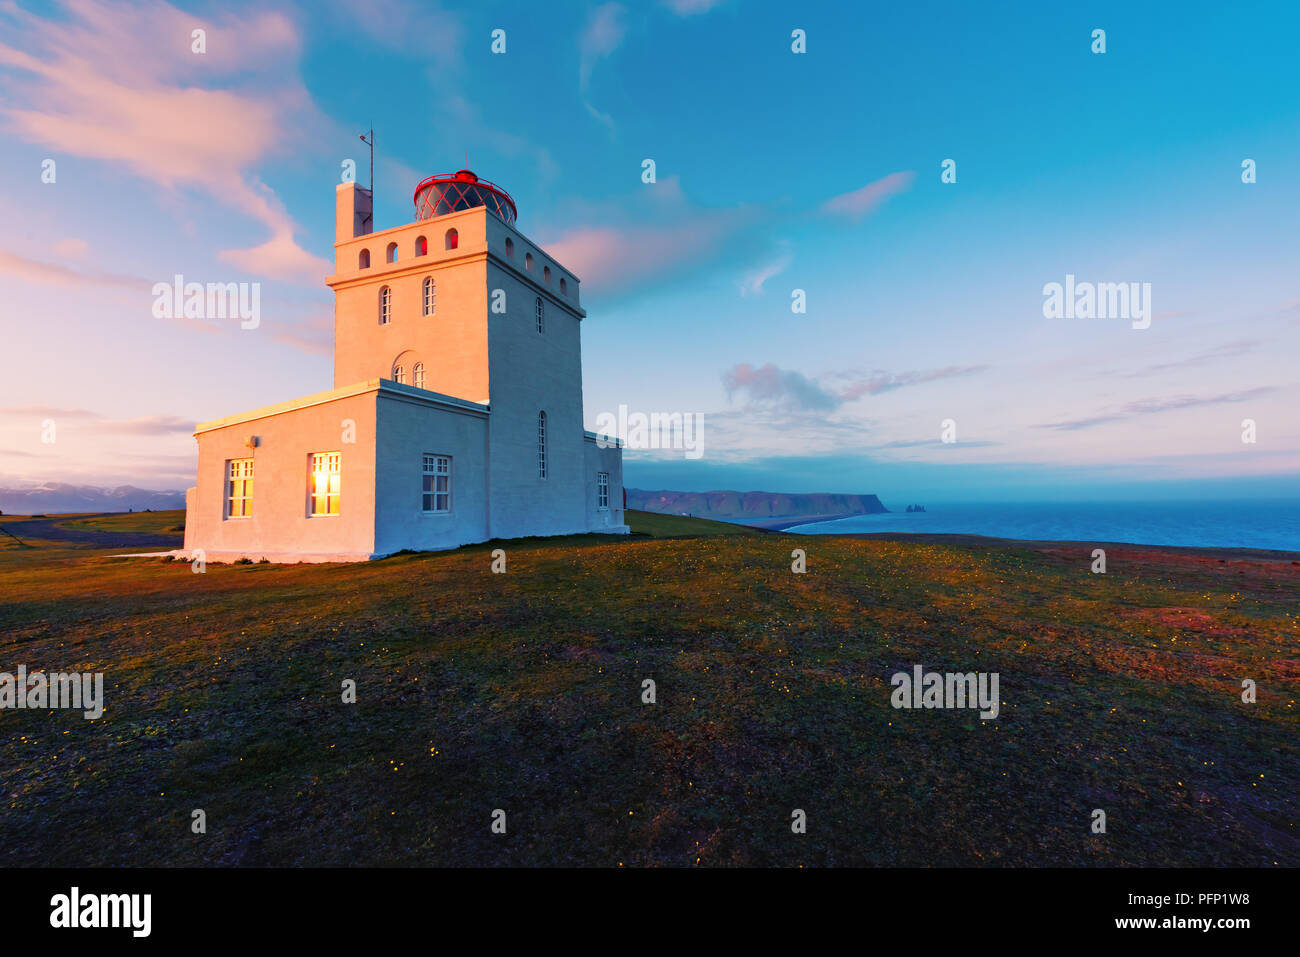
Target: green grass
[
  {"x": 522, "y": 691},
  {"x": 679, "y": 526},
  {"x": 152, "y": 522}
]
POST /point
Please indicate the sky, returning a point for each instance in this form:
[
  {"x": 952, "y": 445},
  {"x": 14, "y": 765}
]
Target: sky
[{"x": 778, "y": 175}]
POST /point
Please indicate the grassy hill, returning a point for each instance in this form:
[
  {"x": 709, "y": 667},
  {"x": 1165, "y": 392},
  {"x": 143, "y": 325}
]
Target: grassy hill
[{"x": 522, "y": 691}]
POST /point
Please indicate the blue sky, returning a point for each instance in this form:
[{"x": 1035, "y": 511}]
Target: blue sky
[{"x": 775, "y": 170}]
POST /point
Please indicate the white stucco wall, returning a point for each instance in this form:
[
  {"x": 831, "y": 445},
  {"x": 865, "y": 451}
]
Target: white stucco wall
[
  {"x": 281, "y": 528},
  {"x": 611, "y": 519},
  {"x": 532, "y": 372},
  {"x": 410, "y": 425}
]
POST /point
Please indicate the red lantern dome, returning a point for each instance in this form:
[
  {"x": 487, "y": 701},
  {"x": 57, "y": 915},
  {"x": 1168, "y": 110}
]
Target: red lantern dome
[{"x": 447, "y": 193}]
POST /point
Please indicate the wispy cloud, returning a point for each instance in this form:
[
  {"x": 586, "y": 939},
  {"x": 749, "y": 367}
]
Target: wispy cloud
[
  {"x": 689, "y": 8},
  {"x": 34, "y": 270},
  {"x": 33, "y": 415},
  {"x": 121, "y": 83},
  {"x": 752, "y": 284},
  {"x": 1154, "y": 406},
  {"x": 1227, "y": 350},
  {"x": 770, "y": 385},
  {"x": 879, "y": 381},
  {"x": 619, "y": 257},
  {"x": 606, "y": 27},
  {"x": 865, "y": 200}
]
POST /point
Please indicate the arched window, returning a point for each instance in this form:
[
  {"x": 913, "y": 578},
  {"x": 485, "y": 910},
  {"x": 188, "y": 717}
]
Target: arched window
[
  {"x": 421, "y": 246},
  {"x": 541, "y": 445},
  {"x": 430, "y": 296},
  {"x": 546, "y": 275},
  {"x": 538, "y": 308},
  {"x": 564, "y": 286},
  {"x": 399, "y": 375},
  {"x": 385, "y": 305},
  {"x": 528, "y": 261},
  {"x": 453, "y": 239},
  {"x": 417, "y": 375},
  {"x": 510, "y": 248},
  {"x": 392, "y": 252},
  {"x": 363, "y": 259}
]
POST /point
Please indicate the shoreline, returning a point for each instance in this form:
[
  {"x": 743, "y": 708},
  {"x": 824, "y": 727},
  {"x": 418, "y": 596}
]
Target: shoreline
[
  {"x": 781, "y": 524},
  {"x": 1240, "y": 552}
]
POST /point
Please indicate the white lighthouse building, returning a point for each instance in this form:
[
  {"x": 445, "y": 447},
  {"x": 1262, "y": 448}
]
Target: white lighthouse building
[{"x": 456, "y": 414}]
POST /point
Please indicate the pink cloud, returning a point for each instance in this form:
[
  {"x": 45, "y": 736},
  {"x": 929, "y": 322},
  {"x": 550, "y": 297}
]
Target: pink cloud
[
  {"x": 615, "y": 258},
  {"x": 867, "y": 199},
  {"x": 52, "y": 274},
  {"x": 72, "y": 248},
  {"x": 122, "y": 84}
]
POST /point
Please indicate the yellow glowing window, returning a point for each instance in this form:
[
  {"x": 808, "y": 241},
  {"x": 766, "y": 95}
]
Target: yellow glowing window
[
  {"x": 239, "y": 489},
  {"x": 325, "y": 483}
]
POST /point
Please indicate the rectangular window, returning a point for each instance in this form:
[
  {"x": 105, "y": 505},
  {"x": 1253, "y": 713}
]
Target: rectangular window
[
  {"x": 541, "y": 445},
  {"x": 239, "y": 489},
  {"x": 437, "y": 483},
  {"x": 324, "y": 486},
  {"x": 602, "y": 490}
]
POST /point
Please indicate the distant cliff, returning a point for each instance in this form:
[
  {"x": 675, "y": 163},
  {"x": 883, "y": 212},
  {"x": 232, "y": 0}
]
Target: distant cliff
[
  {"x": 755, "y": 507},
  {"x": 55, "y": 497}
]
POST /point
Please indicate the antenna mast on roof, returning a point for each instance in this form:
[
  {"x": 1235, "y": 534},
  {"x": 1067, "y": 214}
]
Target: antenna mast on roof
[{"x": 371, "y": 143}]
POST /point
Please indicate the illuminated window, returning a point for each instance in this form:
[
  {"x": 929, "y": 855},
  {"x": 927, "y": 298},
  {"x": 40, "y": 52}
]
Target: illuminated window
[
  {"x": 453, "y": 239},
  {"x": 417, "y": 375},
  {"x": 437, "y": 483},
  {"x": 385, "y": 306},
  {"x": 430, "y": 296},
  {"x": 239, "y": 489},
  {"x": 538, "y": 309},
  {"x": 324, "y": 487},
  {"x": 392, "y": 252},
  {"x": 399, "y": 375},
  {"x": 602, "y": 490},
  {"x": 541, "y": 445},
  {"x": 363, "y": 259}
]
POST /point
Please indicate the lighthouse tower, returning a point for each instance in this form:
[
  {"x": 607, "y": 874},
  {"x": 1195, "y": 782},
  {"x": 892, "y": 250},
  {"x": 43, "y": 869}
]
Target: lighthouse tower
[{"x": 456, "y": 414}]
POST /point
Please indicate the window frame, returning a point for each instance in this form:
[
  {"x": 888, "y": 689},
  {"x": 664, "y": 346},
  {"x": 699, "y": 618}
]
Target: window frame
[
  {"x": 429, "y": 296},
  {"x": 333, "y": 486},
  {"x": 434, "y": 466},
  {"x": 385, "y": 305},
  {"x": 602, "y": 491},
  {"x": 245, "y": 479},
  {"x": 541, "y": 446}
]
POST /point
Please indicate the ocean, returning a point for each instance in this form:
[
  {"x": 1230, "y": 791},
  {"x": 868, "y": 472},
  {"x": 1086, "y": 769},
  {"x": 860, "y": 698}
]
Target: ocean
[{"x": 1225, "y": 524}]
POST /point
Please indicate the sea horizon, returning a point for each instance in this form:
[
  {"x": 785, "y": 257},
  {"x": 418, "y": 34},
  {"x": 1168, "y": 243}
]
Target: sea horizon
[{"x": 1272, "y": 524}]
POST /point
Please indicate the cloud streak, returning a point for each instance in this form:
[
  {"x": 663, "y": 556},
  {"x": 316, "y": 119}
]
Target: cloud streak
[
  {"x": 772, "y": 386},
  {"x": 864, "y": 201},
  {"x": 122, "y": 84},
  {"x": 1154, "y": 406}
]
